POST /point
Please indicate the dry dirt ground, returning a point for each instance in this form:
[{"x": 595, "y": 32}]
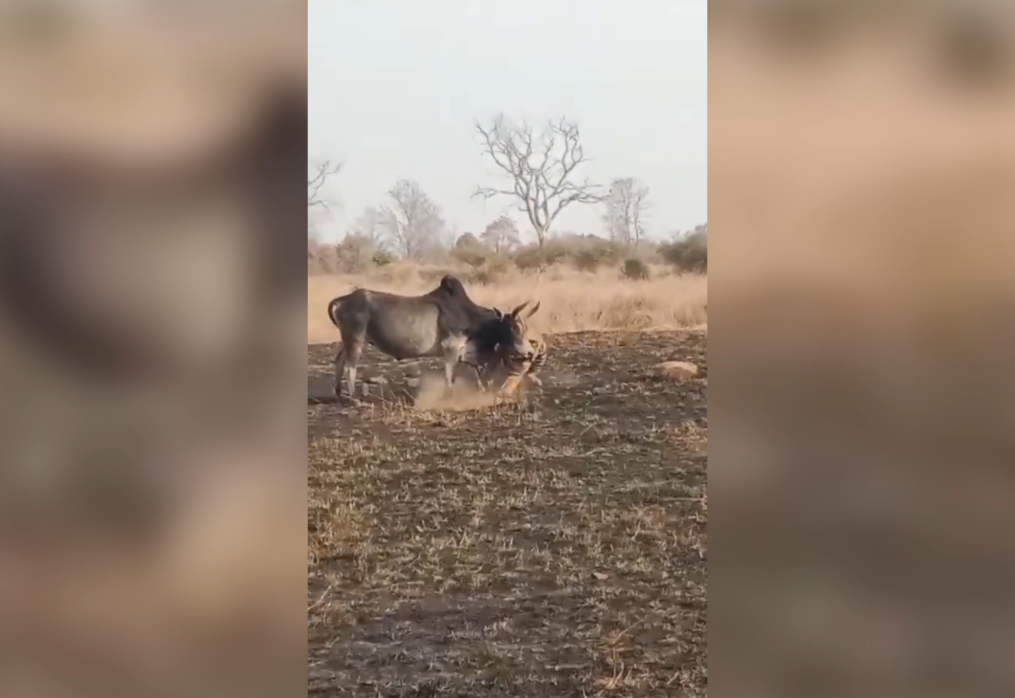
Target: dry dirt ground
[{"x": 551, "y": 547}]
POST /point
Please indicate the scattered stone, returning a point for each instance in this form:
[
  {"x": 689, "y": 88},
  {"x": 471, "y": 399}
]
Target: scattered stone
[
  {"x": 376, "y": 380},
  {"x": 413, "y": 382},
  {"x": 676, "y": 370}
]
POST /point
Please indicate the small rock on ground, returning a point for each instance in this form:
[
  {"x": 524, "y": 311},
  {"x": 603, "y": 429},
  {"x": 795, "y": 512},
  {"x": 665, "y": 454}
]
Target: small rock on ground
[{"x": 676, "y": 370}]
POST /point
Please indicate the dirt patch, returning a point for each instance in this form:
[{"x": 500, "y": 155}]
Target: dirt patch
[
  {"x": 553, "y": 546},
  {"x": 432, "y": 394}
]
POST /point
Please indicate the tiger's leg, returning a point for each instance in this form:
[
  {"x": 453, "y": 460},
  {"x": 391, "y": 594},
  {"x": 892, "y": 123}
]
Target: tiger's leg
[
  {"x": 516, "y": 372},
  {"x": 539, "y": 345}
]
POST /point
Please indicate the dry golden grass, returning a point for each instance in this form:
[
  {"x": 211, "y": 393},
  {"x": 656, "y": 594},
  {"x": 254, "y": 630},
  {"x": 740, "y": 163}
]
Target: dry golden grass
[{"x": 571, "y": 301}]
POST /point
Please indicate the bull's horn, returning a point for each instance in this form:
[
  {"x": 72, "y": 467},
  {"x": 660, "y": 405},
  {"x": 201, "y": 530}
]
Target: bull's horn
[{"x": 520, "y": 308}]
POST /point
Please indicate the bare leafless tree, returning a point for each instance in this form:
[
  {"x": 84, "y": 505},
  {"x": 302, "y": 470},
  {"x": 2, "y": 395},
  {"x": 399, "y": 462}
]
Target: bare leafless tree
[
  {"x": 627, "y": 206},
  {"x": 446, "y": 239},
  {"x": 501, "y": 235},
  {"x": 542, "y": 168},
  {"x": 317, "y": 179},
  {"x": 412, "y": 222},
  {"x": 369, "y": 226}
]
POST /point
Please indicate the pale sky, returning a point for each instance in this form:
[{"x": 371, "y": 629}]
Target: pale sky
[{"x": 395, "y": 86}]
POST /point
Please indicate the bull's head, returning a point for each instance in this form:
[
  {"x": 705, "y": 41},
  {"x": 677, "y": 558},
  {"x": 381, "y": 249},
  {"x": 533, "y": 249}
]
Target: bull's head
[{"x": 512, "y": 332}]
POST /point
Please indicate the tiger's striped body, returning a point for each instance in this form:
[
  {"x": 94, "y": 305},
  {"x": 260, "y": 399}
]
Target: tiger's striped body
[{"x": 515, "y": 371}]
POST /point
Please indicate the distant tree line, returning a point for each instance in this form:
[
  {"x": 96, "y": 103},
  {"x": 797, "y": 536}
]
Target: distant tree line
[{"x": 540, "y": 174}]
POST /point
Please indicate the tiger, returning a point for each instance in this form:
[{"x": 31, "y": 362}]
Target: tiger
[{"x": 515, "y": 371}]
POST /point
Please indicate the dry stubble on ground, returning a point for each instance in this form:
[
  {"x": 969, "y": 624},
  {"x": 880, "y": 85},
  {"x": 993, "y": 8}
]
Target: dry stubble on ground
[{"x": 554, "y": 547}]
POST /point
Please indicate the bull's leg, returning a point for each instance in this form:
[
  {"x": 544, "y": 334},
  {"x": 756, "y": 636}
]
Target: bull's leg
[
  {"x": 495, "y": 372},
  {"x": 488, "y": 372},
  {"x": 339, "y": 370},
  {"x": 449, "y": 372},
  {"x": 454, "y": 351},
  {"x": 352, "y": 353}
]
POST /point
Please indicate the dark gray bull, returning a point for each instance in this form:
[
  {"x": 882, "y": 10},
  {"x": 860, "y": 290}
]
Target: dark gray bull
[{"x": 443, "y": 323}]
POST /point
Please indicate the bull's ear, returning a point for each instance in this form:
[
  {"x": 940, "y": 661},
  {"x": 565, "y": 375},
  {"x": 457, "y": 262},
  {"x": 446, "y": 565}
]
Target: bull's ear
[
  {"x": 520, "y": 308},
  {"x": 534, "y": 309}
]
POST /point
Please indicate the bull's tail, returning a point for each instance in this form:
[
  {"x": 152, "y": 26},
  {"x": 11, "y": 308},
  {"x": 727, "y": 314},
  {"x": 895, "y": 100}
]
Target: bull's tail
[{"x": 334, "y": 306}]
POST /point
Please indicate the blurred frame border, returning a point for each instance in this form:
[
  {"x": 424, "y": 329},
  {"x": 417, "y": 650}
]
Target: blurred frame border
[
  {"x": 153, "y": 477},
  {"x": 861, "y": 171}
]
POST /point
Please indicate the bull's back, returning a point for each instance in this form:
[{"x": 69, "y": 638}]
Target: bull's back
[{"x": 404, "y": 328}]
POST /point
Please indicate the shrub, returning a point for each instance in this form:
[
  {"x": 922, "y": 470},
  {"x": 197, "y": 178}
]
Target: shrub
[
  {"x": 470, "y": 251},
  {"x": 591, "y": 255},
  {"x": 492, "y": 271},
  {"x": 484, "y": 277},
  {"x": 498, "y": 264},
  {"x": 529, "y": 258},
  {"x": 535, "y": 257},
  {"x": 689, "y": 254},
  {"x": 587, "y": 260},
  {"x": 635, "y": 270},
  {"x": 466, "y": 240},
  {"x": 354, "y": 254},
  {"x": 474, "y": 257}
]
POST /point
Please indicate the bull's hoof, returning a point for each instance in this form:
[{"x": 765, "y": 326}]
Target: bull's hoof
[{"x": 347, "y": 400}]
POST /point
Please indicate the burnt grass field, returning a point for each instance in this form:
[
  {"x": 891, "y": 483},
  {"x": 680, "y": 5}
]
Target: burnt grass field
[{"x": 555, "y": 546}]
